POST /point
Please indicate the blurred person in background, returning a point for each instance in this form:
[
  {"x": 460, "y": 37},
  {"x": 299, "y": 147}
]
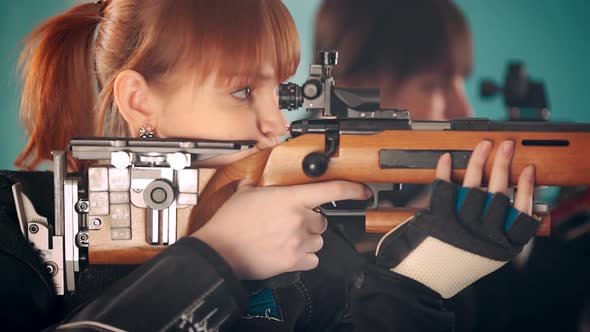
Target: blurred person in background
[{"x": 419, "y": 54}]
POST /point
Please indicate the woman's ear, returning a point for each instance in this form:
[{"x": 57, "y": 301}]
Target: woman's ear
[{"x": 135, "y": 100}]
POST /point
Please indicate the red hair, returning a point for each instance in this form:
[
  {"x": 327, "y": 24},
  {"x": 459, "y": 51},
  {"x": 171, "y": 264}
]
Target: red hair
[{"x": 62, "y": 62}]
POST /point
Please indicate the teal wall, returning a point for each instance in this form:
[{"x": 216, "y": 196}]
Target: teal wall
[
  {"x": 550, "y": 36},
  {"x": 303, "y": 12},
  {"x": 17, "y": 19}
]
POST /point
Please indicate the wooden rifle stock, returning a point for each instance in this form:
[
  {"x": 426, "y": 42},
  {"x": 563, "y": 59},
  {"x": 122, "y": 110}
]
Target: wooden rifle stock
[
  {"x": 383, "y": 220},
  {"x": 358, "y": 158},
  {"x": 559, "y": 159}
]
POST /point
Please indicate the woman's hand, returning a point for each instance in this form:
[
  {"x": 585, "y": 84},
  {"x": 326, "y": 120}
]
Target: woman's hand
[
  {"x": 263, "y": 232},
  {"x": 467, "y": 233},
  {"x": 500, "y": 173}
]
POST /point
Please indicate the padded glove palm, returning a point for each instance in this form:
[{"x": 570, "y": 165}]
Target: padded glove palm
[{"x": 466, "y": 234}]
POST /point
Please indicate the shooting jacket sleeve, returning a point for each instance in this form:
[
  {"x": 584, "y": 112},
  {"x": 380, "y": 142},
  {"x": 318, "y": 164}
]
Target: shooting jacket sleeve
[
  {"x": 188, "y": 287},
  {"x": 350, "y": 293},
  {"x": 382, "y": 300}
]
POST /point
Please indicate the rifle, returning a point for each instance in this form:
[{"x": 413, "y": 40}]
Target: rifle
[
  {"x": 381, "y": 152},
  {"x": 355, "y": 140},
  {"x": 131, "y": 203},
  {"x": 148, "y": 193}
]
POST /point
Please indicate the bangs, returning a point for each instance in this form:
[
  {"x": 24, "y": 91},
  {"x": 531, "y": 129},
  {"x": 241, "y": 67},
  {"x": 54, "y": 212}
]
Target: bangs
[{"x": 232, "y": 40}]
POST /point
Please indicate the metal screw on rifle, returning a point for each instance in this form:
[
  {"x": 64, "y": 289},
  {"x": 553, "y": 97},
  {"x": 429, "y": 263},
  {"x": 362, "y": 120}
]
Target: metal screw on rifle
[
  {"x": 33, "y": 229},
  {"x": 82, "y": 206},
  {"x": 96, "y": 223},
  {"x": 51, "y": 268},
  {"x": 83, "y": 239}
]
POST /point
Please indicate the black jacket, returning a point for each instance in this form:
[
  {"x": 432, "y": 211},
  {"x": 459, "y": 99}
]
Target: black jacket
[{"x": 190, "y": 287}]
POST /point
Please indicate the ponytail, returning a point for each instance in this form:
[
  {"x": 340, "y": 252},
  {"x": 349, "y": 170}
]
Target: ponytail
[{"x": 59, "y": 83}]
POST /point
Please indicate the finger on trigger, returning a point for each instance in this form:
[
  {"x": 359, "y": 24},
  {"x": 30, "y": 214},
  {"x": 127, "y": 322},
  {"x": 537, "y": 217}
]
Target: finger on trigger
[
  {"x": 526, "y": 187},
  {"x": 444, "y": 167}
]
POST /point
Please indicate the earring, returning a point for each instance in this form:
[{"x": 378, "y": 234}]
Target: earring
[{"x": 146, "y": 131}]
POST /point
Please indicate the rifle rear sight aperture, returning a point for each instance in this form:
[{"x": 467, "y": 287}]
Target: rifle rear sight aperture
[{"x": 319, "y": 93}]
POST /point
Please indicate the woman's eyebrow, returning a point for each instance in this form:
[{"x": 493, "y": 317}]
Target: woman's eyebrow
[
  {"x": 264, "y": 75},
  {"x": 240, "y": 78}
]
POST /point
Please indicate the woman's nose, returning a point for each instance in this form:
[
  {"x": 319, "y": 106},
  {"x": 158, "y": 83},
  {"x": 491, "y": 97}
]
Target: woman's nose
[{"x": 272, "y": 122}]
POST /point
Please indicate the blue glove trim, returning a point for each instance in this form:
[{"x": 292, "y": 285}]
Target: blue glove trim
[
  {"x": 264, "y": 304},
  {"x": 461, "y": 197},
  {"x": 512, "y": 212},
  {"x": 487, "y": 204},
  {"x": 511, "y": 218}
]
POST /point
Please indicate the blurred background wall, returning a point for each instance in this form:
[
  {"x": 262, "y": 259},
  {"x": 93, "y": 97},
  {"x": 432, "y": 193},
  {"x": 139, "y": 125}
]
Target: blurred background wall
[
  {"x": 551, "y": 37},
  {"x": 17, "y": 19}
]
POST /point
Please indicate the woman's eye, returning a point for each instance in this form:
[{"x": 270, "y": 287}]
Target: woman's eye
[{"x": 242, "y": 94}]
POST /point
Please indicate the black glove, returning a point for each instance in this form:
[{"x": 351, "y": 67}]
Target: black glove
[{"x": 466, "y": 234}]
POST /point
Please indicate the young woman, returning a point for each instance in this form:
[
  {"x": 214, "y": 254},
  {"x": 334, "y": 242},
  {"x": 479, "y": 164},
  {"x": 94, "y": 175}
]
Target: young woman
[
  {"x": 203, "y": 69},
  {"x": 418, "y": 53}
]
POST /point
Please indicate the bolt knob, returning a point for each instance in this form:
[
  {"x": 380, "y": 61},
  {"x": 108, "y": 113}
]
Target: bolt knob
[{"x": 315, "y": 164}]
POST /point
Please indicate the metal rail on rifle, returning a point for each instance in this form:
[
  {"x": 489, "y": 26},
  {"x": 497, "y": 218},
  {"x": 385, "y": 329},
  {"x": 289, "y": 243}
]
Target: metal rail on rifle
[{"x": 134, "y": 188}]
